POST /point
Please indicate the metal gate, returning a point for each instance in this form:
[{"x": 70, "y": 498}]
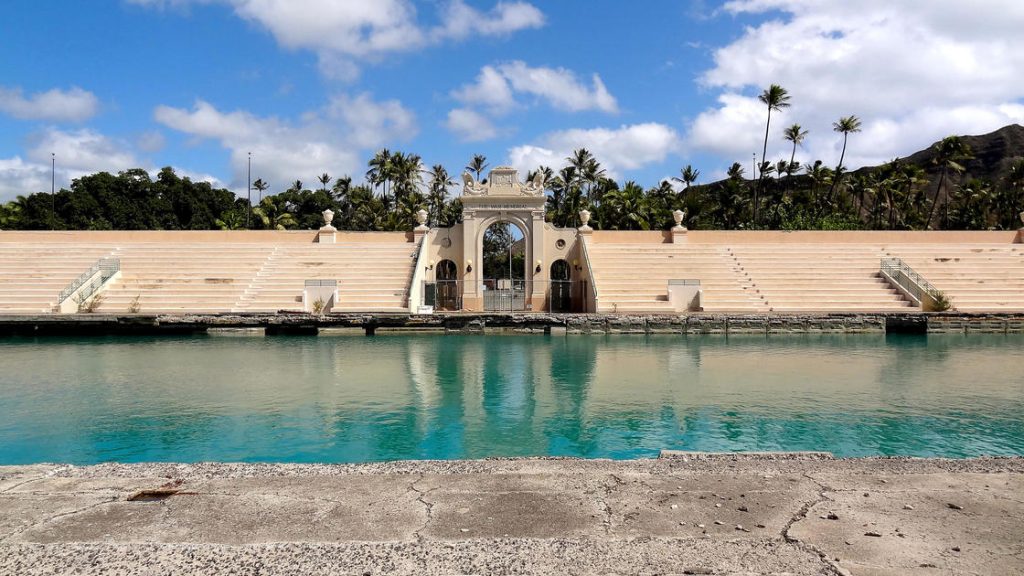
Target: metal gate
[{"x": 504, "y": 295}]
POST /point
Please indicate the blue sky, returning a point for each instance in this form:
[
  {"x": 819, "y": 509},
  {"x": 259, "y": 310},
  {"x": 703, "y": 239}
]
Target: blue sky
[{"x": 316, "y": 86}]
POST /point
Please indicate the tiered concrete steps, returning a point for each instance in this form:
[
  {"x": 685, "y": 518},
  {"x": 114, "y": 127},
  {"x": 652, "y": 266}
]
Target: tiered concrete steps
[
  {"x": 818, "y": 277},
  {"x": 634, "y": 277},
  {"x": 976, "y": 277},
  {"x": 32, "y": 275},
  {"x": 372, "y": 276},
  {"x": 165, "y": 278}
]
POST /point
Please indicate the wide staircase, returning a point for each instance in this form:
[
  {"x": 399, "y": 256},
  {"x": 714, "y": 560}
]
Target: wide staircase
[
  {"x": 634, "y": 277},
  {"x": 372, "y": 277},
  {"x": 32, "y": 275},
  {"x": 162, "y": 278},
  {"x": 975, "y": 277},
  {"x": 818, "y": 277}
]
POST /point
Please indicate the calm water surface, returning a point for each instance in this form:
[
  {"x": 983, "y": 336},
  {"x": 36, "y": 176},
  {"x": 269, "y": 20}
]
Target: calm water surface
[{"x": 353, "y": 398}]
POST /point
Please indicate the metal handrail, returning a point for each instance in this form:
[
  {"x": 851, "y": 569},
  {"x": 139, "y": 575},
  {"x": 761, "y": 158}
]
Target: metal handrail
[
  {"x": 907, "y": 278},
  {"x": 105, "y": 267}
]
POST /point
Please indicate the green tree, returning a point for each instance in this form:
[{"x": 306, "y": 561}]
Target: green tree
[
  {"x": 949, "y": 153},
  {"x": 845, "y": 126},
  {"x": 776, "y": 98},
  {"x": 477, "y": 165},
  {"x": 795, "y": 134}
]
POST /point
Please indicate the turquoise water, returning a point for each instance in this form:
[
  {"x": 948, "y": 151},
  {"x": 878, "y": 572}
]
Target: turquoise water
[{"x": 353, "y": 398}]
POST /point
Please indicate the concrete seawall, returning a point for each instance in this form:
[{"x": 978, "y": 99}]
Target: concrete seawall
[
  {"x": 683, "y": 514},
  {"x": 483, "y": 323}
]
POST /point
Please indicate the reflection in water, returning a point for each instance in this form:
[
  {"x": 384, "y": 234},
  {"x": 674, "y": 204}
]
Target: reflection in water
[{"x": 352, "y": 398}]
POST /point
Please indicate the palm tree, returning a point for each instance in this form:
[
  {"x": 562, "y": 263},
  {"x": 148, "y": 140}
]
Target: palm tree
[
  {"x": 687, "y": 176},
  {"x": 273, "y": 216},
  {"x": 949, "y": 152},
  {"x": 776, "y": 98},
  {"x": 477, "y": 165},
  {"x": 260, "y": 186},
  {"x": 341, "y": 188},
  {"x": 438, "y": 191},
  {"x": 796, "y": 135},
  {"x": 627, "y": 208},
  {"x": 380, "y": 171},
  {"x": 296, "y": 186},
  {"x": 845, "y": 125},
  {"x": 324, "y": 179}
]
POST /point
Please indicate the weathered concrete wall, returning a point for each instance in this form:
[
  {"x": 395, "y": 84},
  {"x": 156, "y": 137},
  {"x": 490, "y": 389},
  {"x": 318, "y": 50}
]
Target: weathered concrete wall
[{"x": 525, "y": 323}]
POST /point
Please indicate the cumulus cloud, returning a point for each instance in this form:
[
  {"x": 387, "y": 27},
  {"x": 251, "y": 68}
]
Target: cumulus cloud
[
  {"x": 343, "y": 32},
  {"x": 470, "y": 126},
  {"x": 77, "y": 153},
  {"x": 73, "y": 105},
  {"x": 329, "y": 139},
  {"x": 560, "y": 88},
  {"x": 624, "y": 148},
  {"x": 913, "y": 71}
]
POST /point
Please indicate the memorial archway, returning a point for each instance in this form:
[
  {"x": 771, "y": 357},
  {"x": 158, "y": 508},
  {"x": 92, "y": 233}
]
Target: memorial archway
[{"x": 503, "y": 257}]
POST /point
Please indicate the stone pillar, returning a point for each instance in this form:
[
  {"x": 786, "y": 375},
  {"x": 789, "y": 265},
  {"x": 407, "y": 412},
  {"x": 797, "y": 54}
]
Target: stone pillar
[
  {"x": 679, "y": 231},
  {"x": 327, "y": 233}
]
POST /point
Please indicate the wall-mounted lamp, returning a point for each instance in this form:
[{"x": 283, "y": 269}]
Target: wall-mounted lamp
[
  {"x": 576, "y": 265},
  {"x": 539, "y": 263},
  {"x": 469, "y": 266},
  {"x": 431, "y": 265}
]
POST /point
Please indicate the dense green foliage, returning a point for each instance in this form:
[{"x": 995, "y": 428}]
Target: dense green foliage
[{"x": 785, "y": 195}]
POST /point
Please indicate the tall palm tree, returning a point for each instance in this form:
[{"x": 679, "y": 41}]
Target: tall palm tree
[
  {"x": 260, "y": 186},
  {"x": 776, "y": 98},
  {"x": 438, "y": 191},
  {"x": 379, "y": 172},
  {"x": 324, "y": 179},
  {"x": 796, "y": 135},
  {"x": 845, "y": 126},
  {"x": 949, "y": 152},
  {"x": 477, "y": 165},
  {"x": 627, "y": 208},
  {"x": 341, "y": 188}
]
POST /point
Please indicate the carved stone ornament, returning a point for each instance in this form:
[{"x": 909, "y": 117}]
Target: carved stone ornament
[
  {"x": 328, "y": 217},
  {"x": 470, "y": 187},
  {"x": 421, "y": 217}
]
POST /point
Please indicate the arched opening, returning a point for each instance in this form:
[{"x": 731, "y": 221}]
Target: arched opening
[
  {"x": 504, "y": 267},
  {"x": 561, "y": 286},
  {"x": 449, "y": 292}
]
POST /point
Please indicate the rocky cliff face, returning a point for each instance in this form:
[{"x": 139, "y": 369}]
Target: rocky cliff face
[{"x": 993, "y": 154}]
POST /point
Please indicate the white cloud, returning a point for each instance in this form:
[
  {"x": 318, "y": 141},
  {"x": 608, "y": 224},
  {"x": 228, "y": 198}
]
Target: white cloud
[
  {"x": 151, "y": 141},
  {"x": 560, "y": 88},
  {"x": 470, "y": 126},
  {"x": 18, "y": 177},
  {"x": 913, "y": 71},
  {"x": 626, "y": 148},
  {"x": 461, "y": 20},
  {"x": 490, "y": 90},
  {"x": 74, "y": 105},
  {"x": 329, "y": 139},
  {"x": 77, "y": 153},
  {"x": 342, "y": 32}
]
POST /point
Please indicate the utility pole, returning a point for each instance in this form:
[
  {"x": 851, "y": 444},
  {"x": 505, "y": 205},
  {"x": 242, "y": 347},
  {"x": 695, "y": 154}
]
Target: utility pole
[
  {"x": 53, "y": 190},
  {"x": 248, "y": 178}
]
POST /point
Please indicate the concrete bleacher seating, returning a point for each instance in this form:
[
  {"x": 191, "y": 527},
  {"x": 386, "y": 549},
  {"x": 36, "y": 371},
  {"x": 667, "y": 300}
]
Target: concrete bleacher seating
[
  {"x": 32, "y": 275},
  {"x": 371, "y": 276},
  {"x": 815, "y": 277},
  {"x": 633, "y": 277},
  {"x": 160, "y": 278},
  {"x": 984, "y": 277}
]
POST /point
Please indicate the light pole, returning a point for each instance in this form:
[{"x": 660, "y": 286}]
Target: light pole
[
  {"x": 248, "y": 178},
  {"x": 53, "y": 189}
]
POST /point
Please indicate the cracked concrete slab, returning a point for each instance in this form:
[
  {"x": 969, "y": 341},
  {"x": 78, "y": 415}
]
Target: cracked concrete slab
[{"x": 533, "y": 516}]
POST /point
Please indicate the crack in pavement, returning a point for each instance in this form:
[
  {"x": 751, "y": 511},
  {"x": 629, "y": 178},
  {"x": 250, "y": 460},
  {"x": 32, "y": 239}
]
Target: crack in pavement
[
  {"x": 606, "y": 507},
  {"x": 801, "y": 514},
  {"x": 429, "y": 506},
  {"x": 7, "y": 537}
]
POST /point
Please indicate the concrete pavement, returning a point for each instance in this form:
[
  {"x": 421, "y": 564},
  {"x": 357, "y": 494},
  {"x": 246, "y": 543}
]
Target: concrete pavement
[{"x": 685, "y": 514}]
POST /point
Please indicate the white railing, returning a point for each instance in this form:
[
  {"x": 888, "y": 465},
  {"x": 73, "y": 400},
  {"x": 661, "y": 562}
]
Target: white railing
[
  {"x": 915, "y": 286},
  {"x": 90, "y": 281}
]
